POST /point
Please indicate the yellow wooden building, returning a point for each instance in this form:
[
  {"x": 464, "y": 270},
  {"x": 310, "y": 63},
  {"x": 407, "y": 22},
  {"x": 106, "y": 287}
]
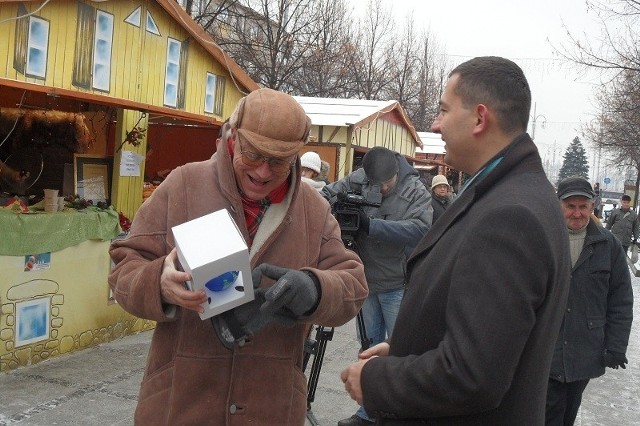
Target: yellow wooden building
[
  {"x": 142, "y": 87},
  {"x": 142, "y": 63}
]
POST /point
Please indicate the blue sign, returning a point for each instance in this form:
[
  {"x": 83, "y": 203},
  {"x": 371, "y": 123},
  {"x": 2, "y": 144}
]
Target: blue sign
[{"x": 607, "y": 180}]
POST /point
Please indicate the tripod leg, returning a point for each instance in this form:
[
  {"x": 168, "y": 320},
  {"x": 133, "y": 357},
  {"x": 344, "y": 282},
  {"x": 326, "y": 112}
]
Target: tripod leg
[
  {"x": 362, "y": 332},
  {"x": 322, "y": 337}
]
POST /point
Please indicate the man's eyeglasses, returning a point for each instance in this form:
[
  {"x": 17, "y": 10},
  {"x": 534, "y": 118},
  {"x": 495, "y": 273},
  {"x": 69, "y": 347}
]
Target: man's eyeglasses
[{"x": 277, "y": 165}]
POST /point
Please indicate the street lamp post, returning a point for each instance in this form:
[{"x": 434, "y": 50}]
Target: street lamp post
[{"x": 534, "y": 120}]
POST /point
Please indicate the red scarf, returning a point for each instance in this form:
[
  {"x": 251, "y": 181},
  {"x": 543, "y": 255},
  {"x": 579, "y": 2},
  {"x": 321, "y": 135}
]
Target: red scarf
[{"x": 254, "y": 211}]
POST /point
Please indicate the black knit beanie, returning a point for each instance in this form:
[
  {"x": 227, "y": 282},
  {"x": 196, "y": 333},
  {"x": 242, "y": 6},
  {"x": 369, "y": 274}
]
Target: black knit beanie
[{"x": 380, "y": 164}]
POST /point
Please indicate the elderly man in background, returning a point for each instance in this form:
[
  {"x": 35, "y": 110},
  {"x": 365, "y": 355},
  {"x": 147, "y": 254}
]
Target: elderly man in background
[
  {"x": 597, "y": 321},
  {"x": 243, "y": 368}
]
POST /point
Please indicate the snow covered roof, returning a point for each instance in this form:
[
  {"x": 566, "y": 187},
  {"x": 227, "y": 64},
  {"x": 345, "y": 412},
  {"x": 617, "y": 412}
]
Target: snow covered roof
[
  {"x": 432, "y": 143},
  {"x": 351, "y": 112},
  {"x": 341, "y": 112}
]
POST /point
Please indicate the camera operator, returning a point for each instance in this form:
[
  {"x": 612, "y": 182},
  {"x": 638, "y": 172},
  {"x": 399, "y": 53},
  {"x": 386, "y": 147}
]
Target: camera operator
[{"x": 385, "y": 237}]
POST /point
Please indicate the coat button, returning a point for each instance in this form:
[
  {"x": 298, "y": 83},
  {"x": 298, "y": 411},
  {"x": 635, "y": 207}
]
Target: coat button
[
  {"x": 566, "y": 343},
  {"x": 233, "y": 409},
  {"x": 568, "y": 309}
]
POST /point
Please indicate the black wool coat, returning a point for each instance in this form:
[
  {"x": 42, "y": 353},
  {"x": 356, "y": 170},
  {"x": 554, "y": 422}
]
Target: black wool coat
[{"x": 487, "y": 288}]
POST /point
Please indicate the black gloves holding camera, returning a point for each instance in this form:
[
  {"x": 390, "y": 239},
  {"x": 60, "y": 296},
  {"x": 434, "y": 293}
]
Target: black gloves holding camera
[
  {"x": 364, "y": 221},
  {"x": 614, "y": 360},
  {"x": 295, "y": 294}
]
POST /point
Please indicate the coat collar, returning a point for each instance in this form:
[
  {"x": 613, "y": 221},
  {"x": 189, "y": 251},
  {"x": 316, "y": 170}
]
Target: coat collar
[
  {"x": 595, "y": 234},
  {"x": 520, "y": 153}
]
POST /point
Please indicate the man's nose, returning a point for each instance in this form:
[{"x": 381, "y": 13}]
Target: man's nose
[
  {"x": 263, "y": 169},
  {"x": 435, "y": 126}
]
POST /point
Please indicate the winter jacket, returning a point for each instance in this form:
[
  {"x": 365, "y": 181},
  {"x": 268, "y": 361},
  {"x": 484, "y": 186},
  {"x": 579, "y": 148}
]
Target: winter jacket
[
  {"x": 487, "y": 289},
  {"x": 439, "y": 206},
  {"x": 599, "y": 309},
  {"x": 624, "y": 225},
  {"x": 317, "y": 184},
  {"x": 395, "y": 227},
  {"x": 191, "y": 378}
]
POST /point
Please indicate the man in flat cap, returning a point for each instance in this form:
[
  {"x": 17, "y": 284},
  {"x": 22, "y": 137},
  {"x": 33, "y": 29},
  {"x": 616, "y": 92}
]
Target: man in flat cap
[
  {"x": 244, "y": 366},
  {"x": 385, "y": 239},
  {"x": 597, "y": 321}
]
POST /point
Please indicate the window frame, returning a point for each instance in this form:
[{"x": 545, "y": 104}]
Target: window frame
[
  {"x": 31, "y": 46},
  {"x": 172, "y": 79},
  {"x": 96, "y": 81}
]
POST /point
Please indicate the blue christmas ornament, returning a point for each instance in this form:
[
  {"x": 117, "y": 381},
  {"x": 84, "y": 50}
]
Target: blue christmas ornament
[{"x": 222, "y": 281}]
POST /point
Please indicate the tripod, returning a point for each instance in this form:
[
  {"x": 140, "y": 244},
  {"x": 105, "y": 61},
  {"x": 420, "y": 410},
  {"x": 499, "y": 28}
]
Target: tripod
[{"x": 318, "y": 346}]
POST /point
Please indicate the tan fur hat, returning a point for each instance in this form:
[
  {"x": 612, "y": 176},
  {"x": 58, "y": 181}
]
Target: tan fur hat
[{"x": 272, "y": 122}]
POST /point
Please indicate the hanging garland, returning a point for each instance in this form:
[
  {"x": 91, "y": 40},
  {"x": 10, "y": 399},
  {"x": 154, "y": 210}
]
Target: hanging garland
[{"x": 135, "y": 135}]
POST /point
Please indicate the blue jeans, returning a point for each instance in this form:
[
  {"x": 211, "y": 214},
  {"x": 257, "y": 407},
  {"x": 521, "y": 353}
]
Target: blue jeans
[{"x": 379, "y": 313}]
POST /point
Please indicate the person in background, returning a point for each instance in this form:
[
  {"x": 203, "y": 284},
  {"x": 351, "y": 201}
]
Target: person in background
[
  {"x": 244, "y": 367},
  {"x": 597, "y": 201},
  {"x": 311, "y": 166},
  {"x": 597, "y": 321},
  {"x": 385, "y": 239},
  {"x": 325, "y": 167},
  {"x": 440, "y": 196},
  {"x": 488, "y": 283},
  {"x": 623, "y": 223}
]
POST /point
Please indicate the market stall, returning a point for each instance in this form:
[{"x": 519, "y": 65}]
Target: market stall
[{"x": 54, "y": 297}]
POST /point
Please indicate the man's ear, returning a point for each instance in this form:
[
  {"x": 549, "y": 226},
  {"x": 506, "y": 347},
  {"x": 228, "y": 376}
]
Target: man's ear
[{"x": 483, "y": 116}]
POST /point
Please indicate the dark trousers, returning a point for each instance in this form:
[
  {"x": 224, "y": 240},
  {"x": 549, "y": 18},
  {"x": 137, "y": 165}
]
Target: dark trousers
[{"x": 563, "y": 402}]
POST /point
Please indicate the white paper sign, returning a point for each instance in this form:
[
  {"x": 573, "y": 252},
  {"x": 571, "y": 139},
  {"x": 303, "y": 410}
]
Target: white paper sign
[{"x": 130, "y": 163}]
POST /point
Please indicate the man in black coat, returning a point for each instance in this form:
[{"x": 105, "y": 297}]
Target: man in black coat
[
  {"x": 597, "y": 322},
  {"x": 488, "y": 284}
]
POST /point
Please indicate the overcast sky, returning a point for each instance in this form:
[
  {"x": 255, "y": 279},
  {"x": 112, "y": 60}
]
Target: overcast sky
[{"x": 523, "y": 31}]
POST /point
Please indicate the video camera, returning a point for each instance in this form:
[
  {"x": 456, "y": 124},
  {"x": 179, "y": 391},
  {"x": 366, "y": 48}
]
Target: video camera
[{"x": 346, "y": 210}]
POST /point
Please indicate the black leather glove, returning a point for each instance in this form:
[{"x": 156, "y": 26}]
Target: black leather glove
[
  {"x": 614, "y": 360},
  {"x": 364, "y": 221},
  {"x": 234, "y": 326},
  {"x": 294, "y": 293}
]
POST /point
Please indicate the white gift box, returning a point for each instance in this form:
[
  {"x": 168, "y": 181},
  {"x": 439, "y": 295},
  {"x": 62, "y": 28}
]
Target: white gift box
[{"x": 208, "y": 247}]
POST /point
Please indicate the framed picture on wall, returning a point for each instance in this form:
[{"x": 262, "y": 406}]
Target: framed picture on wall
[
  {"x": 32, "y": 320},
  {"x": 92, "y": 177}
]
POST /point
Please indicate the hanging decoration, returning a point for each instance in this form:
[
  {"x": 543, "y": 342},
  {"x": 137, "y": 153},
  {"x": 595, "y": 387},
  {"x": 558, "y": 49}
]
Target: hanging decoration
[{"x": 136, "y": 135}]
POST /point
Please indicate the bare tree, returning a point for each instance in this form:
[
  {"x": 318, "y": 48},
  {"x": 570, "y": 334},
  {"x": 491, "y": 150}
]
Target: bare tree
[
  {"x": 617, "y": 131},
  {"x": 616, "y": 48},
  {"x": 315, "y": 48},
  {"x": 369, "y": 66},
  {"x": 616, "y": 53},
  {"x": 403, "y": 68},
  {"x": 325, "y": 69},
  {"x": 208, "y": 12}
]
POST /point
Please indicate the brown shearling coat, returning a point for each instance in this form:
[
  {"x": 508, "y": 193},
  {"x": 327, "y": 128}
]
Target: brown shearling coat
[{"x": 191, "y": 378}]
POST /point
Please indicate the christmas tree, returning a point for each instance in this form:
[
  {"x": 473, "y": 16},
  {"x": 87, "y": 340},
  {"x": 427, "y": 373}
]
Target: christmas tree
[{"x": 575, "y": 161}]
